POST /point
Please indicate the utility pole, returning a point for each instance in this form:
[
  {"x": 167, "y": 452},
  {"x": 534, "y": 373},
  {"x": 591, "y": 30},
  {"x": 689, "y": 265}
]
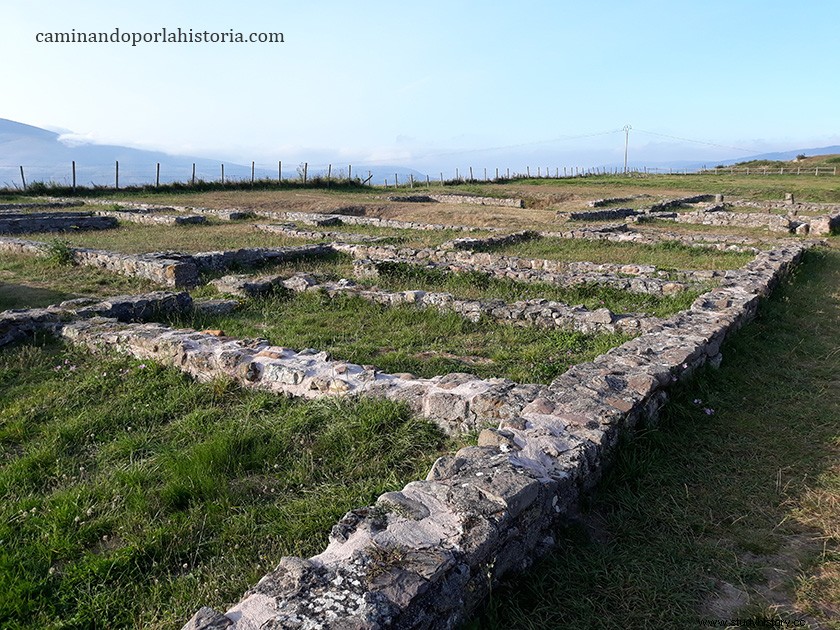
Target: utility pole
[{"x": 627, "y": 129}]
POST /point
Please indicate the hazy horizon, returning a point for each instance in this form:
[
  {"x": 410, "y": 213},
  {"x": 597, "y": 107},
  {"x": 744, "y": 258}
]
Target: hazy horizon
[{"x": 432, "y": 86}]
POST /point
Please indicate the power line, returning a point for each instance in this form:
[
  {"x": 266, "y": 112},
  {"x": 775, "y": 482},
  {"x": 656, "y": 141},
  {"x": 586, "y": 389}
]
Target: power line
[{"x": 711, "y": 144}]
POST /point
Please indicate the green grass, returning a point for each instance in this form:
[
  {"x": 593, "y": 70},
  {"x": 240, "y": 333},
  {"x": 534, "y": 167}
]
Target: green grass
[
  {"x": 668, "y": 255},
  {"x": 747, "y": 495},
  {"x": 406, "y": 339},
  {"x": 478, "y": 285},
  {"x": 133, "y": 238},
  {"x": 28, "y": 282},
  {"x": 132, "y": 495}
]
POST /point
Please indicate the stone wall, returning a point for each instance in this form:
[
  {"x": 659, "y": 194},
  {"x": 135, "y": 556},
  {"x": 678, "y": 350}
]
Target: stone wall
[
  {"x": 520, "y": 269},
  {"x": 20, "y": 223},
  {"x": 540, "y": 313},
  {"x": 148, "y": 218},
  {"x": 717, "y": 216},
  {"x": 480, "y": 244},
  {"x": 472, "y": 200},
  {"x": 16, "y": 325},
  {"x": 425, "y": 556},
  {"x": 291, "y": 231},
  {"x": 312, "y": 218},
  {"x": 680, "y": 201},
  {"x": 40, "y": 206},
  {"x": 170, "y": 268}
]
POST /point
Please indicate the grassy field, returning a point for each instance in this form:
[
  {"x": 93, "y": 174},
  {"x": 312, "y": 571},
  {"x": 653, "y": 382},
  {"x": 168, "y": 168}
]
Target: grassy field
[
  {"x": 27, "y": 282},
  {"x": 732, "y": 515},
  {"x": 131, "y": 495},
  {"x": 666, "y": 255},
  {"x": 406, "y": 339}
]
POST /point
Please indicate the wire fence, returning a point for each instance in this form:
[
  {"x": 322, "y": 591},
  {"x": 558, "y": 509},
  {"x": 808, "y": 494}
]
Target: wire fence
[{"x": 116, "y": 176}]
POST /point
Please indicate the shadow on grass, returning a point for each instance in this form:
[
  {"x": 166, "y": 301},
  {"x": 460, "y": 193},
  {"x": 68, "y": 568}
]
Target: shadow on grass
[
  {"x": 715, "y": 513},
  {"x": 23, "y": 296}
]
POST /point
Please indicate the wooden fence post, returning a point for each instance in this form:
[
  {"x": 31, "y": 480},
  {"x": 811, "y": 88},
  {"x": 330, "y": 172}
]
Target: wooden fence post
[
  {"x": 74, "y": 175},
  {"x": 192, "y": 181},
  {"x": 252, "y": 172},
  {"x": 329, "y": 174},
  {"x": 279, "y": 171},
  {"x": 22, "y": 178},
  {"x": 305, "y": 169},
  {"x": 117, "y": 175},
  {"x": 223, "y": 174},
  {"x": 157, "y": 174}
]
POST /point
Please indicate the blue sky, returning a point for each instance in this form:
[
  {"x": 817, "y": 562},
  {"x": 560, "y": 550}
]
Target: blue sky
[{"x": 435, "y": 84}]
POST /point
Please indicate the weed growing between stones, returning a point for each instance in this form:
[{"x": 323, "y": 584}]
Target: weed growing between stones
[{"x": 59, "y": 252}]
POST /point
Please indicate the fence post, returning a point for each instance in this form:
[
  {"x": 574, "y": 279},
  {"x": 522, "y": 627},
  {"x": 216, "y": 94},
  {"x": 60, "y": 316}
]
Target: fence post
[
  {"x": 279, "y": 171},
  {"x": 74, "y": 175},
  {"x": 396, "y": 180},
  {"x": 471, "y": 175},
  {"x": 22, "y": 178},
  {"x": 457, "y": 175},
  {"x": 411, "y": 180},
  {"x": 252, "y": 172},
  {"x": 157, "y": 174},
  {"x": 117, "y": 175},
  {"x": 192, "y": 181},
  {"x": 428, "y": 181},
  {"x": 349, "y": 172},
  {"x": 305, "y": 169},
  {"x": 441, "y": 179},
  {"x": 528, "y": 171},
  {"x": 223, "y": 174},
  {"x": 329, "y": 174}
]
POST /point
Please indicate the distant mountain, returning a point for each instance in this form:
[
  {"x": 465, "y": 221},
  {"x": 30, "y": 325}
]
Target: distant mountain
[
  {"x": 47, "y": 156},
  {"x": 785, "y": 156}
]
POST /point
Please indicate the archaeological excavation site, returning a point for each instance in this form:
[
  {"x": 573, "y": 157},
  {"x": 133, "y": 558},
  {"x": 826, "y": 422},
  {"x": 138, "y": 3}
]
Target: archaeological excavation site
[{"x": 376, "y": 408}]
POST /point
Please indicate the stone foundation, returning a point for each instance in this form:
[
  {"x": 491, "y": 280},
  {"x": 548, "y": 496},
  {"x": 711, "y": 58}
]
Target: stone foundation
[
  {"x": 519, "y": 269},
  {"x": 425, "y": 556},
  {"x": 148, "y": 218},
  {"x": 540, "y": 313},
  {"x": 21, "y": 223}
]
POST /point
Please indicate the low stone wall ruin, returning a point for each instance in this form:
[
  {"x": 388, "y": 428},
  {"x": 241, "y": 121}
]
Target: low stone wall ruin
[
  {"x": 479, "y": 244},
  {"x": 472, "y": 200},
  {"x": 292, "y": 231},
  {"x": 21, "y": 223},
  {"x": 172, "y": 269},
  {"x": 314, "y": 218},
  {"x": 512, "y": 267},
  {"x": 540, "y": 313},
  {"x": 427, "y": 555},
  {"x": 149, "y": 218}
]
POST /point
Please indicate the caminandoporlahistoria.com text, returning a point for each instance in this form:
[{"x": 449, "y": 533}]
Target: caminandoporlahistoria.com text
[{"x": 163, "y": 36}]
